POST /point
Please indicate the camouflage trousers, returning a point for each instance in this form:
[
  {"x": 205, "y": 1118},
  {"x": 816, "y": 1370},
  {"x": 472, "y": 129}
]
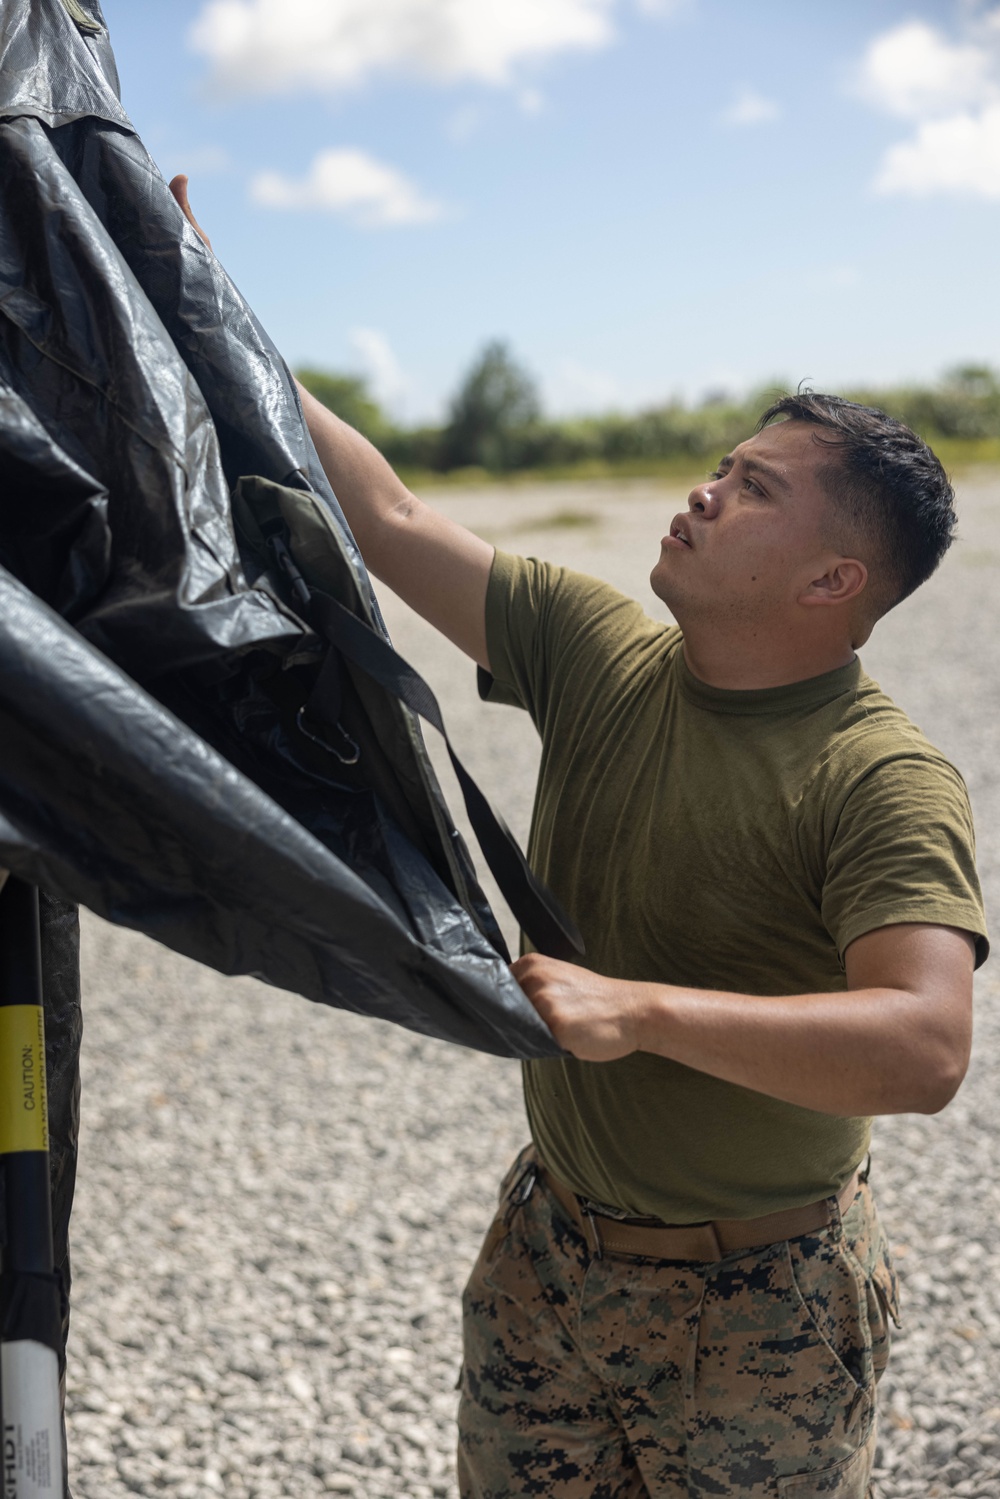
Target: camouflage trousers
[{"x": 628, "y": 1378}]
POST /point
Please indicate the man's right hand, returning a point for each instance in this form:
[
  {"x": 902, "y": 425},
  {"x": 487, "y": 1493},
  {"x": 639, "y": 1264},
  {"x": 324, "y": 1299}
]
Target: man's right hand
[{"x": 435, "y": 565}]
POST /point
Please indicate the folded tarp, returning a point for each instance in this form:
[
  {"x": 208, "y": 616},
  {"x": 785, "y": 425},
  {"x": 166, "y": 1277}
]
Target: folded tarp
[{"x": 184, "y": 750}]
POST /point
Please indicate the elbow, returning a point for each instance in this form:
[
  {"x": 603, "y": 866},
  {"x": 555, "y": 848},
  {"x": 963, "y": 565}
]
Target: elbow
[
  {"x": 927, "y": 1089},
  {"x": 941, "y": 1089},
  {"x": 383, "y": 535},
  {"x": 943, "y": 1078},
  {"x": 942, "y": 1048},
  {"x": 403, "y": 508}
]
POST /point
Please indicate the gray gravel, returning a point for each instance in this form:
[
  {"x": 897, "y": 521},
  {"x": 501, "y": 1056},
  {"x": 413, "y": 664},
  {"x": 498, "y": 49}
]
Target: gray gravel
[{"x": 278, "y": 1204}]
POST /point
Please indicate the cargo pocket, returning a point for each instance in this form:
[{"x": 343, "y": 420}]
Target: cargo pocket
[
  {"x": 511, "y": 1197},
  {"x": 850, "y": 1479},
  {"x": 832, "y": 1292},
  {"x": 883, "y": 1308},
  {"x": 869, "y": 1251}
]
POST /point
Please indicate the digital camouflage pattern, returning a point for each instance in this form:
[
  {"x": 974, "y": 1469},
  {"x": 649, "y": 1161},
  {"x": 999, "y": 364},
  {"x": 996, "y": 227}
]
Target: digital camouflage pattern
[{"x": 627, "y": 1378}]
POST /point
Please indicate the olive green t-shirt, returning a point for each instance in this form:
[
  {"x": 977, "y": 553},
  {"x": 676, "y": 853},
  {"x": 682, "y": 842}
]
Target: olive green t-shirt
[{"x": 733, "y": 840}]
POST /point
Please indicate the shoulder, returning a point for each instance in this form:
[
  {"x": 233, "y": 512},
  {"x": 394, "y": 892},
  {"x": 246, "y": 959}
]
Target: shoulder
[
  {"x": 550, "y": 630},
  {"x": 535, "y": 583},
  {"x": 564, "y": 606},
  {"x": 875, "y": 745},
  {"x": 898, "y": 839}
]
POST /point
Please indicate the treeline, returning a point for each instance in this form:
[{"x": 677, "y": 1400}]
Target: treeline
[{"x": 495, "y": 421}]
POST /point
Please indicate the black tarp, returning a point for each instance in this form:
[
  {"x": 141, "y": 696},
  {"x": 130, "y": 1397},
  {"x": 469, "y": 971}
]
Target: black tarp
[
  {"x": 155, "y": 660},
  {"x": 153, "y": 663}
]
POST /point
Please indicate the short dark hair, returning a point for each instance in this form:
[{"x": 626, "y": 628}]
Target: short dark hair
[{"x": 886, "y": 483}]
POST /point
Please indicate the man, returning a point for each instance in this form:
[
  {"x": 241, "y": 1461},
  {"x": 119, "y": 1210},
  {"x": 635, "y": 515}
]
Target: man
[{"x": 686, "y": 1291}]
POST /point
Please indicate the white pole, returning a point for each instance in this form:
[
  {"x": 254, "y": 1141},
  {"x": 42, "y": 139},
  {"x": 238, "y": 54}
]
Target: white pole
[{"x": 32, "y": 1422}]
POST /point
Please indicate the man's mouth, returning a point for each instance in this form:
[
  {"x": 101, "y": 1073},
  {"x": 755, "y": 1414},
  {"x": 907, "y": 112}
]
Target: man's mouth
[{"x": 679, "y": 533}]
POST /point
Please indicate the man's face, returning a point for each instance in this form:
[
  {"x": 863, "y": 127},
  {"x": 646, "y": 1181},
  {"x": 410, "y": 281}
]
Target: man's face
[{"x": 754, "y": 536}]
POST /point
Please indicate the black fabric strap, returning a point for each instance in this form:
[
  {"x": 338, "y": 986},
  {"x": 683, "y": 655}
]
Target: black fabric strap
[{"x": 536, "y": 909}]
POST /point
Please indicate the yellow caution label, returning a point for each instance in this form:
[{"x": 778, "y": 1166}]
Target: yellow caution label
[{"x": 24, "y": 1113}]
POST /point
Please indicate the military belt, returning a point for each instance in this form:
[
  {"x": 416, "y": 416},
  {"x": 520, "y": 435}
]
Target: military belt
[{"x": 708, "y": 1242}]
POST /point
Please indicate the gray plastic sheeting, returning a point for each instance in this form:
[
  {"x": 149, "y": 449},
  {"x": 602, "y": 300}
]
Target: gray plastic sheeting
[{"x": 152, "y": 660}]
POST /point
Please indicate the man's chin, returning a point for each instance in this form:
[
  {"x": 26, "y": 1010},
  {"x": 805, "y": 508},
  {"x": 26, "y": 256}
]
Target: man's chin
[
  {"x": 667, "y": 596},
  {"x": 663, "y": 585}
]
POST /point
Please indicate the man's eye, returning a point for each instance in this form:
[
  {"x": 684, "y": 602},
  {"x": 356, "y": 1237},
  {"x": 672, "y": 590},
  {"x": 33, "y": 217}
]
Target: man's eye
[{"x": 716, "y": 473}]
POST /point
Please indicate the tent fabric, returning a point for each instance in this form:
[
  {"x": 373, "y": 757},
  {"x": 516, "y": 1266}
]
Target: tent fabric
[{"x": 154, "y": 661}]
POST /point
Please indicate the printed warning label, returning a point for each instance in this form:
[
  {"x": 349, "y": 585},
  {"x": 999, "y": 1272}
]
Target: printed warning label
[{"x": 23, "y": 1103}]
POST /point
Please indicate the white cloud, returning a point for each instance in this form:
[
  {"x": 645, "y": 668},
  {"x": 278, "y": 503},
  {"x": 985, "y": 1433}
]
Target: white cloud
[
  {"x": 351, "y": 183},
  {"x": 379, "y": 362},
  {"x": 275, "y": 46},
  {"x": 960, "y": 154},
  {"x": 914, "y": 71},
  {"x": 751, "y": 109},
  {"x": 951, "y": 91}
]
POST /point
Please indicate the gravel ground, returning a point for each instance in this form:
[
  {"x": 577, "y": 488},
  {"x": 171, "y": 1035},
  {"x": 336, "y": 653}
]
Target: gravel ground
[{"x": 278, "y": 1204}]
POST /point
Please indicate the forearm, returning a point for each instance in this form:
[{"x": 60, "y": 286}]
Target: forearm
[
  {"x": 438, "y": 567},
  {"x": 857, "y": 1052},
  {"x": 896, "y": 1040},
  {"x": 369, "y": 491}
]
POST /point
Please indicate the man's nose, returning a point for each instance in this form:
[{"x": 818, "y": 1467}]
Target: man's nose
[{"x": 703, "y": 499}]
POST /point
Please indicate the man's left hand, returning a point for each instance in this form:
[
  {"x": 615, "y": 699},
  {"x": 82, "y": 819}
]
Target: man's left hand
[
  {"x": 895, "y": 1041},
  {"x": 594, "y": 1018}
]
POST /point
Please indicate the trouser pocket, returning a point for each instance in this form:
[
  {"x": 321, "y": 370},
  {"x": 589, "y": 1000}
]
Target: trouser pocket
[
  {"x": 865, "y": 1241},
  {"x": 850, "y": 1479}
]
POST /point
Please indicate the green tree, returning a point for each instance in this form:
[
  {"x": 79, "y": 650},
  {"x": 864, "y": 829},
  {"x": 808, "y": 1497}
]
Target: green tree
[
  {"x": 977, "y": 382},
  {"x": 349, "y": 397},
  {"x": 492, "y": 413}
]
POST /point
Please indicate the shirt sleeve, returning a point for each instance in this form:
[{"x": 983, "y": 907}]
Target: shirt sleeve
[
  {"x": 549, "y": 629},
  {"x": 904, "y": 851}
]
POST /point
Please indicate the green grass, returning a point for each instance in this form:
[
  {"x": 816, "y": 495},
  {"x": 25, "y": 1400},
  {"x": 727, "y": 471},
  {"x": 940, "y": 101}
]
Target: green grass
[
  {"x": 679, "y": 471},
  {"x": 958, "y": 455}
]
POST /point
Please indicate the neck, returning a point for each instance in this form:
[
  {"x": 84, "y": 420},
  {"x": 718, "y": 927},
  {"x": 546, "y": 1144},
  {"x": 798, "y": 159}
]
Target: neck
[{"x": 746, "y": 661}]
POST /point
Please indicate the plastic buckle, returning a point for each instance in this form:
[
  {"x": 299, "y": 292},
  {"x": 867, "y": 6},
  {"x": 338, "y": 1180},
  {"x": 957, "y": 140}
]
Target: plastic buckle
[
  {"x": 521, "y": 1190},
  {"x": 286, "y": 562}
]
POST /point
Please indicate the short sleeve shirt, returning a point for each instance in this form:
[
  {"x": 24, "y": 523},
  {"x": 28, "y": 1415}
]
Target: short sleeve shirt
[{"x": 734, "y": 840}]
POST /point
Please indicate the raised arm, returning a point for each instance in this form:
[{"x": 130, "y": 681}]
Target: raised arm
[{"x": 438, "y": 567}]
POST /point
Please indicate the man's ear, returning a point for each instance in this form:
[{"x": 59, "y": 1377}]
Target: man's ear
[{"x": 843, "y": 581}]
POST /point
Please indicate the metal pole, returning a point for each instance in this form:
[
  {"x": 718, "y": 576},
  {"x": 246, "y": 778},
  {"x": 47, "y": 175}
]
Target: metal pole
[{"x": 30, "y": 1311}]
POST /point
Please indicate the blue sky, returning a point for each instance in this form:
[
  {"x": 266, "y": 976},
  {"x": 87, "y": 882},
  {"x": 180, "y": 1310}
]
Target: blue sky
[{"x": 645, "y": 197}]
